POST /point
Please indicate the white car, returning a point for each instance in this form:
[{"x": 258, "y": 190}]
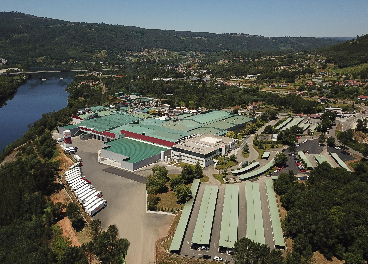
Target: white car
[
  {"x": 337, "y": 148},
  {"x": 217, "y": 258}
]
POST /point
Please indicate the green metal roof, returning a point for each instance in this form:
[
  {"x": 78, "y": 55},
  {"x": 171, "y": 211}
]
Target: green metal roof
[
  {"x": 305, "y": 159},
  {"x": 294, "y": 122},
  {"x": 203, "y": 227},
  {"x": 321, "y": 158},
  {"x": 255, "y": 230},
  {"x": 245, "y": 169},
  {"x": 275, "y": 217},
  {"x": 339, "y": 161},
  {"x": 135, "y": 150},
  {"x": 287, "y": 120},
  {"x": 230, "y": 215},
  {"x": 209, "y": 117},
  {"x": 258, "y": 172},
  {"x": 184, "y": 219},
  {"x": 70, "y": 126}
]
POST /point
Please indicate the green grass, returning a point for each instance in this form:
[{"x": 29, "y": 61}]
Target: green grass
[
  {"x": 245, "y": 155},
  {"x": 205, "y": 178},
  {"x": 218, "y": 177}
]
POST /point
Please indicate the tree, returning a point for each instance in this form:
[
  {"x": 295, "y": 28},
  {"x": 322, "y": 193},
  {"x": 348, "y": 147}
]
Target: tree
[
  {"x": 331, "y": 141},
  {"x": 175, "y": 181},
  {"x": 73, "y": 255},
  {"x": 233, "y": 158},
  {"x": 245, "y": 148},
  {"x": 187, "y": 174},
  {"x": 198, "y": 171},
  {"x": 321, "y": 139},
  {"x": 280, "y": 159},
  {"x": 231, "y": 134},
  {"x": 152, "y": 111},
  {"x": 95, "y": 228},
  {"x": 182, "y": 193},
  {"x": 108, "y": 247},
  {"x": 268, "y": 129},
  {"x": 248, "y": 252},
  {"x": 156, "y": 183},
  {"x": 72, "y": 211},
  {"x": 152, "y": 201}
]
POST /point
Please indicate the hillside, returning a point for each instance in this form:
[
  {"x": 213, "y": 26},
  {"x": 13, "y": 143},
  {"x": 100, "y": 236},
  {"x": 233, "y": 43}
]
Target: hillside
[
  {"x": 349, "y": 53},
  {"x": 34, "y": 40}
]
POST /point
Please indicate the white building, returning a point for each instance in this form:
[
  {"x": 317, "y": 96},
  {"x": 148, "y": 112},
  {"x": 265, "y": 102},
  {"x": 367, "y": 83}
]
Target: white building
[{"x": 202, "y": 149}]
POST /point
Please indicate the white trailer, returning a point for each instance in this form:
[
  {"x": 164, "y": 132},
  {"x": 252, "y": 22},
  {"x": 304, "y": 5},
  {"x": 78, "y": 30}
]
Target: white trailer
[
  {"x": 87, "y": 196},
  {"x": 75, "y": 183},
  {"x": 96, "y": 207},
  {"x": 84, "y": 196},
  {"x": 77, "y": 158},
  {"x": 90, "y": 200},
  {"x": 76, "y": 169},
  {"x": 93, "y": 203},
  {"x": 83, "y": 189},
  {"x": 71, "y": 177},
  {"x": 75, "y": 179},
  {"x": 78, "y": 185}
]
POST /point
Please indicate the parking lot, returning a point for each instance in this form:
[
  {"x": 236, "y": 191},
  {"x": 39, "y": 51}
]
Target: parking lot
[{"x": 126, "y": 204}]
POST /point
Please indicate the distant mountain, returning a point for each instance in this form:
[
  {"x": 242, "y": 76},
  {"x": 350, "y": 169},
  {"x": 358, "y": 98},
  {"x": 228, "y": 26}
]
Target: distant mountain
[
  {"x": 349, "y": 53},
  {"x": 29, "y": 39}
]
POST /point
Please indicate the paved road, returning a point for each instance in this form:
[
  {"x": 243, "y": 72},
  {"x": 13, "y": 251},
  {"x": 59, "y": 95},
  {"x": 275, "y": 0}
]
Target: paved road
[{"x": 126, "y": 205}]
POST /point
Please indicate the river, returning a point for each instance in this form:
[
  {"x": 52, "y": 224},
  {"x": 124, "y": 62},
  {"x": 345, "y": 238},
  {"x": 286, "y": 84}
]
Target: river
[{"x": 32, "y": 99}]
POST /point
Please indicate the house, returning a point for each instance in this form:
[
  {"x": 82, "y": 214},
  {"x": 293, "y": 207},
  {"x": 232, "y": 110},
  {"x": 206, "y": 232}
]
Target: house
[{"x": 363, "y": 98}]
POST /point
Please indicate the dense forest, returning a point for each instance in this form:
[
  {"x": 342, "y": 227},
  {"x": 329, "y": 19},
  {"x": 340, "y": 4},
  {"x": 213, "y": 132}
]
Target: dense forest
[
  {"x": 31, "y": 40},
  {"x": 328, "y": 212},
  {"x": 28, "y": 229},
  {"x": 350, "y": 53}
]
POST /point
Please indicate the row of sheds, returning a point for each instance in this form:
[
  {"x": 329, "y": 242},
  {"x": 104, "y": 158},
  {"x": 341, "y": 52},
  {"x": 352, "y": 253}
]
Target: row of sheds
[
  {"x": 230, "y": 217},
  {"x": 84, "y": 191}
]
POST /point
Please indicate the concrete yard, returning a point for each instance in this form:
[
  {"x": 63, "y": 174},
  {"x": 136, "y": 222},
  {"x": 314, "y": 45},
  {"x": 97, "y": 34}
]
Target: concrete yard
[{"x": 126, "y": 205}]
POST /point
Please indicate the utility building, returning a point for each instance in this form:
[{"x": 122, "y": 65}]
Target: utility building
[{"x": 202, "y": 149}]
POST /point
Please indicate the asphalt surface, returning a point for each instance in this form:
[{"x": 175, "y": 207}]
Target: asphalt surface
[{"x": 126, "y": 204}]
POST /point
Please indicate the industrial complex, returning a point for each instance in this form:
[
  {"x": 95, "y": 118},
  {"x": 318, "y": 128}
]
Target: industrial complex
[{"x": 135, "y": 139}]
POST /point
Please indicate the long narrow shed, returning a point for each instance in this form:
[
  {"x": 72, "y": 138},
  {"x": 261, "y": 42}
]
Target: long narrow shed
[
  {"x": 255, "y": 230},
  {"x": 245, "y": 169},
  {"x": 203, "y": 227},
  {"x": 258, "y": 171},
  {"x": 339, "y": 161},
  {"x": 230, "y": 215},
  {"x": 322, "y": 158},
  {"x": 184, "y": 219},
  {"x": 278, "y": 235},
  {"x": 305, "y": 160}
]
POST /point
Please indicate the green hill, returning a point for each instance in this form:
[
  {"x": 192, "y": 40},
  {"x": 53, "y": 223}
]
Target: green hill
[
  {"x": 349, "y": 53},
  {"x": 35, "y": 40}
]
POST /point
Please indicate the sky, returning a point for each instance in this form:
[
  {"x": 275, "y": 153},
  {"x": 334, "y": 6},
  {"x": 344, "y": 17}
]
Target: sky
[{"x": 270, "y": 18}]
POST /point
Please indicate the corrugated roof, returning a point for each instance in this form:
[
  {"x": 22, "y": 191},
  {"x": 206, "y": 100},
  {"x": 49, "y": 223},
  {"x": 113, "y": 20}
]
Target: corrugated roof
[
  {"x": 258, "y": 172},
  {"x": 305, "y": 159},
  {"x": 248, "y": 168},
  {"x": 339, "y": 161},
  {"x": 255, "y": 230},
  {"x": 275, "y": 216},
  {"x": 135, "y": 150},
  {"x": 184, "y": 219},
  {"x": 322, "y": 158},
  {"x": 230, "y": 215},
  {"x": 203, "y": 227}
]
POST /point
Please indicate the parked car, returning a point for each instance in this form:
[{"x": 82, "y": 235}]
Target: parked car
[{"x": 217, "y": 258}]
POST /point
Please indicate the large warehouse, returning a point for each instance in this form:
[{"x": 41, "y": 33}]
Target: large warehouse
[{"x": 202, "y": 149}]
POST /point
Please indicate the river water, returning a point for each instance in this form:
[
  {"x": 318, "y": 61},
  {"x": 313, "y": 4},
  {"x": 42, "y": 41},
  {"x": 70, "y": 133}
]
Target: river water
[{"x": 32, "y": 99}]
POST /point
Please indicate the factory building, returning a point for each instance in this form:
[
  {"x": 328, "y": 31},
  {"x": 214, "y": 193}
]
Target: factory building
[{"x": 202, "y": 149}]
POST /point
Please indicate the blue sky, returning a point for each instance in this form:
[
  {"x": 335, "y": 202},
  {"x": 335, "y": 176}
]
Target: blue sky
[{"x": 307, "y": 18}]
